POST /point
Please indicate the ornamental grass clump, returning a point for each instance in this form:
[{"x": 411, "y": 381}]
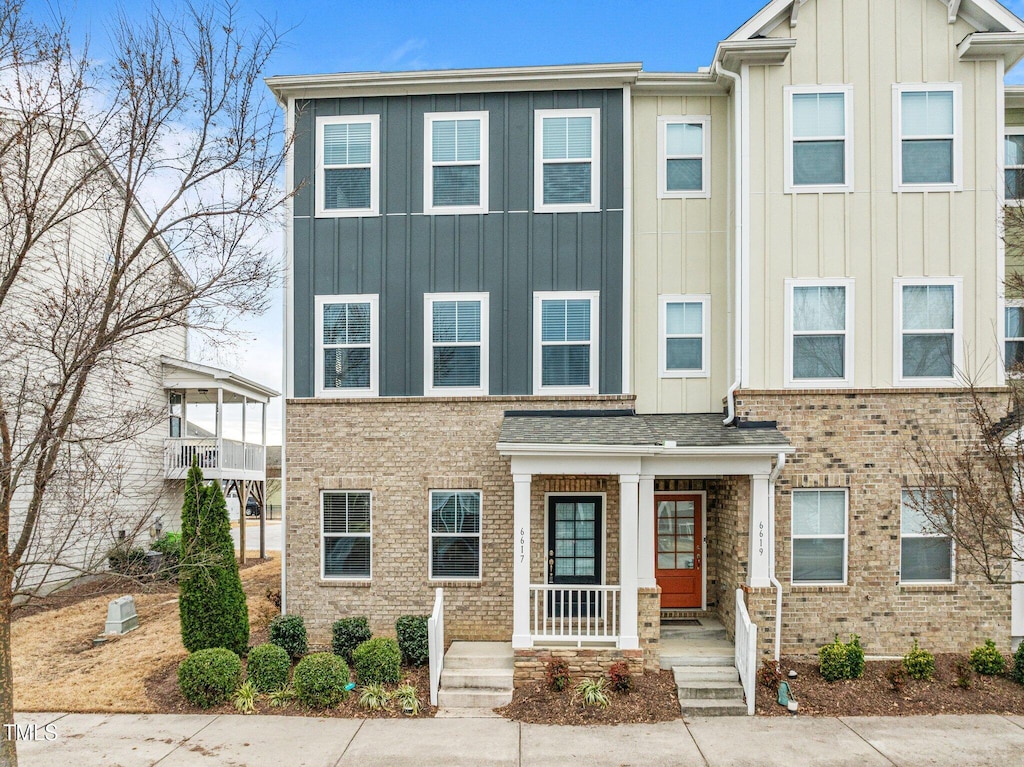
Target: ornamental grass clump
[{"x": 593, "y": 692}]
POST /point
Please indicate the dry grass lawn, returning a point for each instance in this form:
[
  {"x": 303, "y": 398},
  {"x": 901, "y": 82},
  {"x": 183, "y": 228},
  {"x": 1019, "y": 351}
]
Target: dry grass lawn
[{"x": 56, "y": 668}]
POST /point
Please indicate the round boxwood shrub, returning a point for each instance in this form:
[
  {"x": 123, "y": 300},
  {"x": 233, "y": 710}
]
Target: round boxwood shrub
[
  {"x": 320, "y": 680},
  {"x": 378, "y": 660},
  {"x": 268, "y": 667},
  {"x": 412, "y": 639},
  {"x": 289, "y": 633},
  {"x": 208, "y": 677},
  {"x": 347, "y": 634},
  {"x": 1017, "y": 670},
  {"x": 987, "y": 659}
]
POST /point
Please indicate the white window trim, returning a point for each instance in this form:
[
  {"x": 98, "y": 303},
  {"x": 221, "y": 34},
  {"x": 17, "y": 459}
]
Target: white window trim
[
  {"x": 848, "y": 143},
  {"x": 820, "y": 383},
  {"x": 323, "y": 549},
  {"x": 1010, "y": 303},
  {"x": 958, "y": 331},
  {"x": 1015, "y": 130},
  {"x": 845, "y": 536},
  {"x": 898, "y": 89},
  {"x": 374, "y": 210},
  {"x": 539, "y": 162},
  {"x": 952, "y": 549},
  {"x": 705, "y": 157},
  {"x": 428, "y": 163},
  {"x": 373, "y": 300},
  {"x": 428, "y": 345},
  {"x": 431, "y": 535},
  {"x": 595, "y": 367},
  {"x": 705, "y": 309}
]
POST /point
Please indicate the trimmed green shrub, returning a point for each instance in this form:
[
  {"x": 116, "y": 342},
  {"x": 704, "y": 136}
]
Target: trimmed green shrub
[
  {"x": 212, "y": 602},
  {"x": 412, "y": 639},
  {"x": 1017, "y": 671},
  {"x": 126, "y": 560},
  {"x": 268, "y": 667},
  {"x": 320, "y": 680},
  {"x": 169, "y": 544},
  {"x": 377, "y": 660},
  {"x": 207, "y": 677},
  {"x": 289, "y": 633},
  {"x": 987, "y": 659},
  {"x": 919, "y": 664},
  {"x": 841, "y": 660},
  {"x": 347, "y": 634}
]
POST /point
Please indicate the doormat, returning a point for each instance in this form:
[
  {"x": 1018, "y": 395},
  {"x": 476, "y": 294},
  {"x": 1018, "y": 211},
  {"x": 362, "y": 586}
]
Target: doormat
[{"x": 667, "y": 619}]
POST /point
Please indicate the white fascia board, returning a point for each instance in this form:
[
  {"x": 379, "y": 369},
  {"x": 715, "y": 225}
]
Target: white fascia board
[
  {"x": 178, "y": 371},
  {"x": 1008, "y": 46},
  {"x": 540, "y": 449}
]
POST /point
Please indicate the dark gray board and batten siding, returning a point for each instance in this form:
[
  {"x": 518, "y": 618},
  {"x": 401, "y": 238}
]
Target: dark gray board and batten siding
[{"x": 509, "y": 252}]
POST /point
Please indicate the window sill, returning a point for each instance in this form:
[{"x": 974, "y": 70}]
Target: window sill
[
  {"x": 825, "y": 588},
  {"x": 929, "y": 588},
  {"x": 327, "y": 583},
  {"x": 456, "y": 584}
]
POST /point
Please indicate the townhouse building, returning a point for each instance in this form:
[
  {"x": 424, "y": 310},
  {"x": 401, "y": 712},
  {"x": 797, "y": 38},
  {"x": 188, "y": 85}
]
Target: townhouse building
[{"x": 591, "y": 347}]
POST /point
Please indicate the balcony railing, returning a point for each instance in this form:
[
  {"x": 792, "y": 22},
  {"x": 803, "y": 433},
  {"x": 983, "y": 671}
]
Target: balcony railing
[
  {"x": 218, "y": 458},
  {"x": 576, "y": 614}
]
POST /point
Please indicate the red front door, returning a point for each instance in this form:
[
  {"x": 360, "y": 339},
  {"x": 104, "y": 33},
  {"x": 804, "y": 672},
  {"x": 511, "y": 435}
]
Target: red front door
[{"x": 679, "y": 561}]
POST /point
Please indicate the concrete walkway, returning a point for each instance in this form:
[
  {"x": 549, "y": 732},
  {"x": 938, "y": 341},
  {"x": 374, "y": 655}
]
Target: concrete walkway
[{"x": 128, "y": 740}]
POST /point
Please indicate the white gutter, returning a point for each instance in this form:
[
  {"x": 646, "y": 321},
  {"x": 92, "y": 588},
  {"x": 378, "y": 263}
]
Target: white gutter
[
  {"x": 779, "y": 463},
  {"x": 736, "y": 309}
]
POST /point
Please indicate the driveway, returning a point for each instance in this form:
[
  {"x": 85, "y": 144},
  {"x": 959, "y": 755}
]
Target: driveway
[{"x": 252, "y": 534}]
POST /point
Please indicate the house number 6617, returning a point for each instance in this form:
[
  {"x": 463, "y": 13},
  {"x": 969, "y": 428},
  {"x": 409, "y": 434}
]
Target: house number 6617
[{"x": 522, "y": 544}]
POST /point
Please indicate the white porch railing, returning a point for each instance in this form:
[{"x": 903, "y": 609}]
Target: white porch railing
[
  {"x": 577, "y": 614},
  {"x": 746, "y": 650},
  {"x": 435, "y": 644},
  {"x": 220, "y": 457}
]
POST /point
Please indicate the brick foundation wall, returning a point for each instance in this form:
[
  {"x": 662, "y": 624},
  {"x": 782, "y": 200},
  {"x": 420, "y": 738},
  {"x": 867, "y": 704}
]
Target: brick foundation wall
[
  {"x": 400, "y": 449},
  {"x": 860, "y": 441},
  {"x": 530, "y": 665}
]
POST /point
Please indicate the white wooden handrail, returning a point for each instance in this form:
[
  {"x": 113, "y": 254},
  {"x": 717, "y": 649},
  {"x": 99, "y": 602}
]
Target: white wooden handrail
[
  {"x": 746, "y": 650},
  {"x": 435, "y": 644}
]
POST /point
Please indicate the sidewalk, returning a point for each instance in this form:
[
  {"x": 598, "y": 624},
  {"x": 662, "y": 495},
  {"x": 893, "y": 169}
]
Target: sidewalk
[{"x": 128, "y": 740}]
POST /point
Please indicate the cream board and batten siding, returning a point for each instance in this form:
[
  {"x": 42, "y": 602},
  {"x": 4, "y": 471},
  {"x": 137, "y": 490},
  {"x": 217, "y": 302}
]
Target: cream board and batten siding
[
  {"x": 874, "y": 235},
  {"x": 680, "y": 247}
]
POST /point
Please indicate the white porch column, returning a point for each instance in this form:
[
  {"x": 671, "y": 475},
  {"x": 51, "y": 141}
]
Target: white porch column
[
  {"x": 521, "y": 561},
  {"x": 645, "y": 551},
  {"x": 629, "y": 503},
  {"x": 758, "y": 569}
]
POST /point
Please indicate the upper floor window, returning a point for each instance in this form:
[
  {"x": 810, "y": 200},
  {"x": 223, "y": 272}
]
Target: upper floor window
[
  {"x": 347, "y": 165},
  {"x": 455, "y": 156},
  {"x": 567, "y": 160},
  {"x": 928, "y": 339},
  {"x": 927, "y": 151},
  {"x": 683, "y": 156},
  {"x": 565, "y": 351},
  {"x": 1015, "y": 336},
  {"x": 819, "y": 129},
  {"x": 683, "y": 349},
  {"x": 345, "y": 534},
  {"x": 347, "y": 346},
  {"x": 819, "y": 536},
  {"x": 819, "y": 348},
  {"x": 1015, "y": 164},
  {"x": 455, "y": 356},
  {"x": 926, "y": 552}
]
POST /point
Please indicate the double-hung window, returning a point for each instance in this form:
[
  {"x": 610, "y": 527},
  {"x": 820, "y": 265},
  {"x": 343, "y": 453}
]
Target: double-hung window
[
  {"x": 927, "y": 145},
  {"x": 567, "y": 160},
  {"x": 819, "y": 536},
  {"x": 347, "y": 353},
  {"x": 683, "y": 349},
  {"x": 455, "y": 549},
  {"x": 926, "y": 550},
  {"x": 819, "y": 129},
  {"x": 565, "y": 329},
  {"x": 345, "y": 534},
  {"x": 456, "y": 354},
  {"x": 347, "y": 165},
  {"x": 928, "y": 330},
  {"x": 455, "y": 162},
  {"x": 819, "y": 332},
  {"x": 1015, "y": 336},
  {"x": 1014, "y": 164},
  {"x": 684, "y": 145}
]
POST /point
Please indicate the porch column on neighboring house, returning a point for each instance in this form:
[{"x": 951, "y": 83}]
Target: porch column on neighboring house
[
  {"x": 629, "y": 503},
  {"x": 758, "y": 572},
  {"x": 521, "y": 561},
  {"x": 645, "y": 552}
]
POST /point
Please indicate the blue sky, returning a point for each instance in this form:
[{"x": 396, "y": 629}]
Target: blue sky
[{"x": 672, "y": 35}]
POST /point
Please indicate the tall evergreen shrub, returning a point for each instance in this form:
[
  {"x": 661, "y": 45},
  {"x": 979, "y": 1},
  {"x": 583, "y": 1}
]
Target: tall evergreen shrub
[{"x": 212, "y": 602}]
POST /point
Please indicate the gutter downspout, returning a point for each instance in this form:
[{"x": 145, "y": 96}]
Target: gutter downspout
[
  {"x": 737, "y": 309},
  {"x": 780, "y": 462}
]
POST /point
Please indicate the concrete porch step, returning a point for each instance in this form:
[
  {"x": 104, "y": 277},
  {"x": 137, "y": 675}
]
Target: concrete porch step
[
  {"x": 479, "y": 655},
  {"x": 486, "y": 678},
  {"x": 713, "y": 707},
  {"x": 472, "y": 698},
  {"x": 714, "y": 690},
  {"x": 685, "y": 675},
  {"x": 688, "y": 633}
]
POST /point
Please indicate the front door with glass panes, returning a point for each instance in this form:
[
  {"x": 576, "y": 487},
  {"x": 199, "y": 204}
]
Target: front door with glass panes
[
  {"x": 574, "y": 554},
  {"x": 679, "y": 560}
]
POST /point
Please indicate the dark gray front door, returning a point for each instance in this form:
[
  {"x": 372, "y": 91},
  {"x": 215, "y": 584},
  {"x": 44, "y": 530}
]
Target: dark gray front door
[{"x": 574, "y": 553}]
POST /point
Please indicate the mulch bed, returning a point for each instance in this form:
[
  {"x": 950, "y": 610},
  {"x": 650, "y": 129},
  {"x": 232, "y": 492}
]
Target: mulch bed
[
  {"x": 652, "y": 699},
  {"x": 162, "y": 689},
  {"x": 873, "y": 694}
]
